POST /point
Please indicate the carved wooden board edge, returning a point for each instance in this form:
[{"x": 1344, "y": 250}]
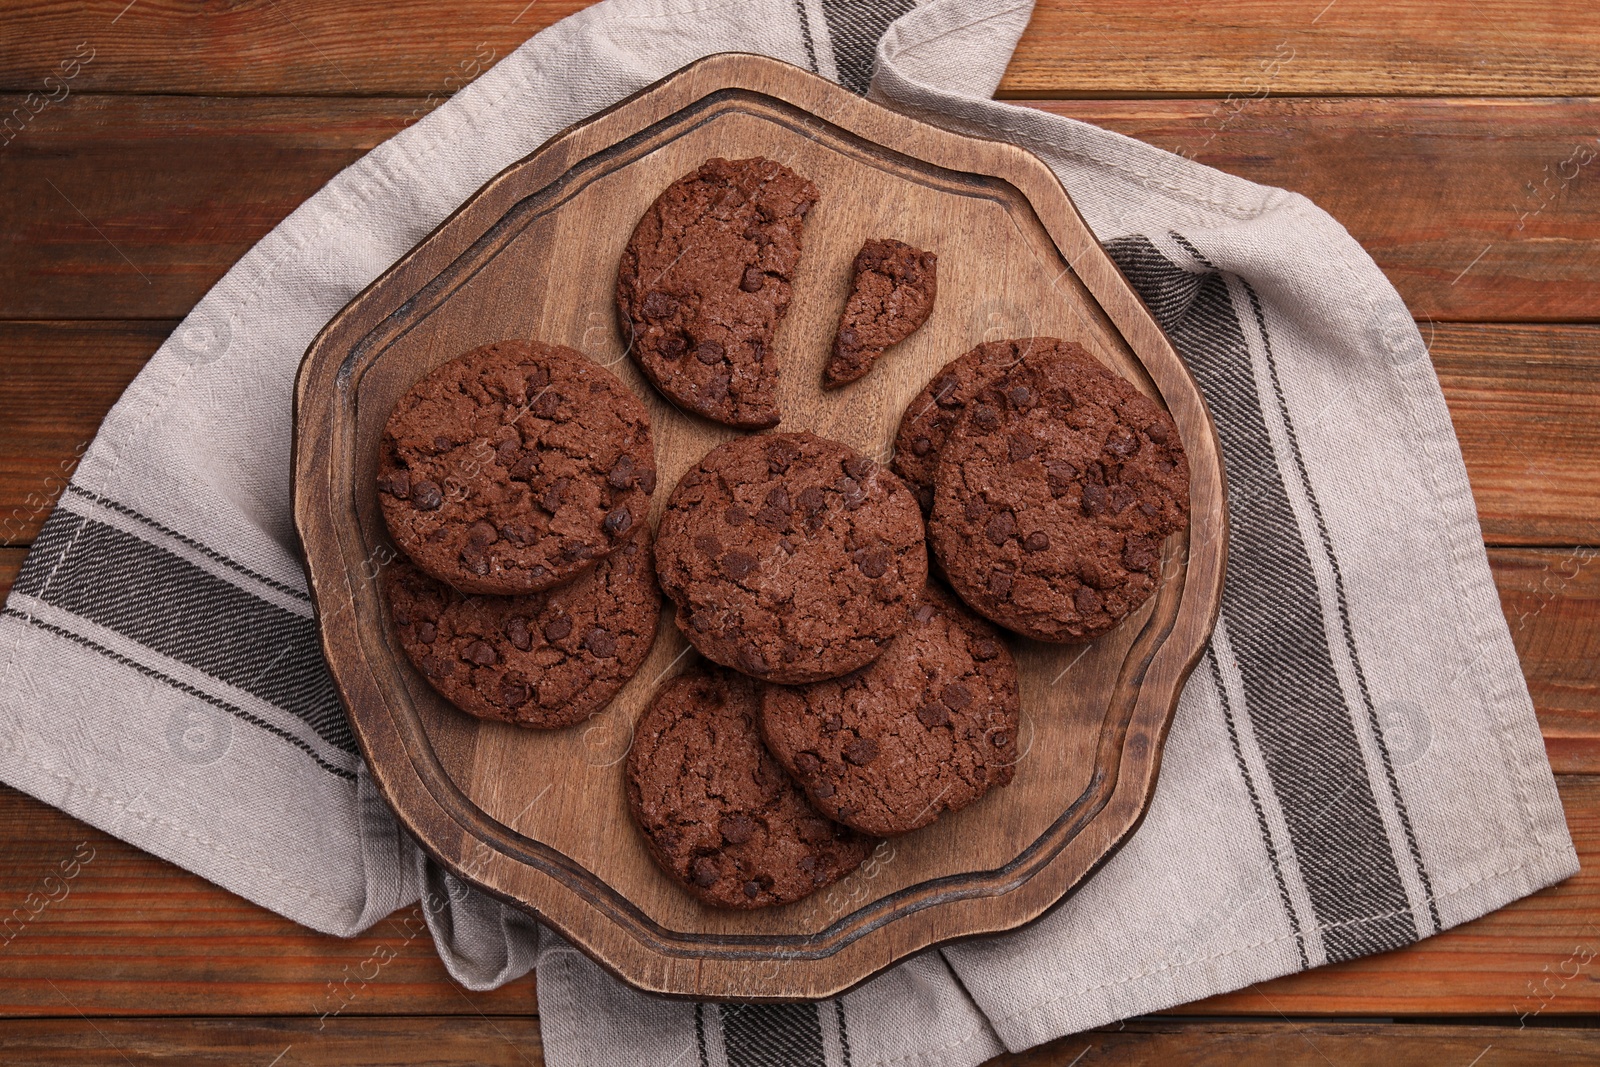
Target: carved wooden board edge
[{"x": 1130, "y": 756}]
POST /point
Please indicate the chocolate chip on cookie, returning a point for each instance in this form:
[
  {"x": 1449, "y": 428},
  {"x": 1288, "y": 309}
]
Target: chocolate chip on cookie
[
  {"x": 705, "y": 280},
  {"x": 1053, "y": 495},
  {"x": 934, "y": 412},
  {"x": 543, "y": 660},
  {"x": 791, "y": 557},
  {"x": 514, "y": 468},
  {"x": 718, "y": 813},
  {"x": 891, "y": 295},
  {"x": 927, "y": 727}
]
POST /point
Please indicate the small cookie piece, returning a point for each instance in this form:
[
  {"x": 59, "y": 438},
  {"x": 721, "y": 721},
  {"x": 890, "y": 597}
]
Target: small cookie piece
[
  {"x": 791, "y": 557},
  {"x": 704, "y": 282},
  {"x": 515, "y": 467},
  {"x": 928, "y": 727},
  {"x": 718, "y": 813},
  {"x": 934, "y": 412},
  {"x": 543, "y": 660},
  {"x": 1053, "y": 496},
  {"x": 891, "y": 296}
]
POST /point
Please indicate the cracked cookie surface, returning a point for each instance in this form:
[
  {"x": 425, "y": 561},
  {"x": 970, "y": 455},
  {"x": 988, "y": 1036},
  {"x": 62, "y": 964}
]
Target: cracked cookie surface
[
  {"x": 542, "y": 660},
  {"x": 515, "y": 467},
  {"x": 791, "y": 557},
  {"x": 891, "y": 294},
  {"x": 718, "y": 813},
  {"x": 705, "y": 280},
  {"x": 928, "y": 727},
  {"x": 1053, "y": 495},
  {"x": 934, "y": 412}
]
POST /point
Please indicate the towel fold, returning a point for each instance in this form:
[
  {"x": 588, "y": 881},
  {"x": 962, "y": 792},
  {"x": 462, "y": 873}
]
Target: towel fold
[{"x": 1354, "y": 765}]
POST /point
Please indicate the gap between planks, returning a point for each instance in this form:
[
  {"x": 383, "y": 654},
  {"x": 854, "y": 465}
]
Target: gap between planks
[
  {"x": 1476, "y": 209},
  {"x": 1070, "y": 47}
]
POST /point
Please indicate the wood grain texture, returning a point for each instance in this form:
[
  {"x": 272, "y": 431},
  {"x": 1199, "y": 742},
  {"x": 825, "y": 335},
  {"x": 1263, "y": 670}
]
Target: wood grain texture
[
  {"x": 363, "y": 47},
  {"x": 1522, "y": 398},
  {"x": 1551, "y": 597},
  {"x": 10, "y": 562},
  {"x": 157, "y": 180},
  {"x": 514, "y": 1042},
  {"x": 1094, "y": 717},
  {"x": 158, "y": 176},
  {"x": 1307, "y": 47},
  {"x": 134, "y": 207},
  {"x": 1531, "y": 441},
  {"x": 1094, "y": 48},
  {"x": 503, "y": 1042},
  {"x": 132, "y": 934},
  {"x": 1538, "y": 957},
  {"x": 1160, "y": 1042},
  {"x": 1479, "y": 210},
  {"x": 60, "y": 379},
  {"x": 137, "y": 936},
  {"x": 287, "y": 1042}
]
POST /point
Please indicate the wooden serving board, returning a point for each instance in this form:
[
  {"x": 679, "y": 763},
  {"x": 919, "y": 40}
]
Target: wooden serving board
[{"x": 540, "y": 818}]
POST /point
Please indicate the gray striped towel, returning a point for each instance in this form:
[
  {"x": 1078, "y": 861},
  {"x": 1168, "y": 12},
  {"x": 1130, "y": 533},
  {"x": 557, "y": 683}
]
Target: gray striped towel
[{"x": 1355, "y": 764}]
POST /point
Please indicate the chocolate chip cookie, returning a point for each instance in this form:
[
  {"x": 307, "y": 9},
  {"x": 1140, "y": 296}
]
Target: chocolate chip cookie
[
  {"x": 515, "y": 467},
  {"x": 791, "y": 557},
  {"x": 934, "y": 412},
  {"x": 543, "y": 660},
  {"x": 927, "y": 727},
  {"x": 1053, "y": 495},
  {"x": 704, "y": 282},
  {"x": 718, "y": 813},
  {"x": 891, "y": 295}
]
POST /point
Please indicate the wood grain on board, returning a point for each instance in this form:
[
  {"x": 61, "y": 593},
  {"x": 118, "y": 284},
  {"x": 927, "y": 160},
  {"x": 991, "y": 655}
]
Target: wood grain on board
[
  {"x": 1091, "y": 48},
  {"x": 1477, "y": 210},
  {"x": 1095, "y": 717}
]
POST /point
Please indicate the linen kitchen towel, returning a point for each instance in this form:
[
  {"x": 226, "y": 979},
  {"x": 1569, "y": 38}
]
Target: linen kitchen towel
[{"x": 1354, "y": 765}]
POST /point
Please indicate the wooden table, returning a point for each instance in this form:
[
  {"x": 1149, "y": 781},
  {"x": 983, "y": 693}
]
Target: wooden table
[{"x": 1454, "y": 143}]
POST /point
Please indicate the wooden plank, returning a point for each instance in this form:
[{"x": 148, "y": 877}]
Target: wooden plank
[
  {"x": 10, "y": 562},
  {"x": 355, "y": 47},
  {"x": 1475, "y": 209},
  {"x": 1522, "y": 398},
  {"x": 1537, "y": 959},
  {"x": 1158, "y": 1042},
  {"x": 1307, "y": 47},
  {"x": 446, "y": 1042},
  {"x": 1551, "y": 599},
  {"x": 288, "y": 1042},
  {"x": 1087, "y": 48},
  {"x": 60, "y": 380},
  {"x": 134, "y": 935},
  {"x": 135, "y": 206}
]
